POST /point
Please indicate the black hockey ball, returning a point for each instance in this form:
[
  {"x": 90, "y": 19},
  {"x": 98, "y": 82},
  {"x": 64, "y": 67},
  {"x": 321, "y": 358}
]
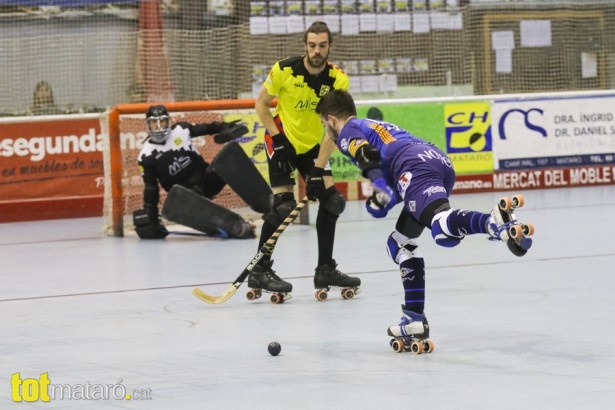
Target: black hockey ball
[{"x": 274, "y": 348}]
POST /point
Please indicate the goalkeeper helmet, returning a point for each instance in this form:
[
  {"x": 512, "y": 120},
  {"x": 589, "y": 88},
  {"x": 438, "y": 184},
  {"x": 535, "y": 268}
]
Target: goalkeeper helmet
[{"x": 158, "y": 123}]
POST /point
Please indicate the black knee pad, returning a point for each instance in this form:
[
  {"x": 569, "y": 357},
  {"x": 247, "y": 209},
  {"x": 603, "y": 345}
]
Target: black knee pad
[
  {"x": 283, "y": 205},
  {"x": 332, "y": 201}
]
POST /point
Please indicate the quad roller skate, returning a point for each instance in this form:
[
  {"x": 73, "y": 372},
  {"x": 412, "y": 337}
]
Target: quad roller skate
[
  {"x": 327, "y": 277},
  {"x": 412, "y": 334},
  {"x": 503, "y": 225},
  {"x": 263, "y": 279}
]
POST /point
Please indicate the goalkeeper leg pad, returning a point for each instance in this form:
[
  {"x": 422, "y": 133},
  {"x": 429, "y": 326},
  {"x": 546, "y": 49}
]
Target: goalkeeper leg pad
[
  {"x": 186, "y": 207},
  {"x": 237, "y": 170}
]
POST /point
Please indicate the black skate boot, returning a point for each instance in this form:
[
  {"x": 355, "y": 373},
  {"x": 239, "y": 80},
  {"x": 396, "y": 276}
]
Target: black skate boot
[
  {"x": 327, "y": 276},
  {"x": 411, "y": 334},
  {"x": 263, "y": 279}
]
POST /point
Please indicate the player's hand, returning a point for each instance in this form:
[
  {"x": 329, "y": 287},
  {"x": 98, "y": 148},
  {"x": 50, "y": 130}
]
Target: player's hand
[
  {"x": 375, "y": 210},
  {"x": 382, "y": 200},
  {"x": 315, "y": 185},
  {"x": 383, "y": 193},
  {"x": 230, "y": 131},
  {"x": 284, "y": 154}
]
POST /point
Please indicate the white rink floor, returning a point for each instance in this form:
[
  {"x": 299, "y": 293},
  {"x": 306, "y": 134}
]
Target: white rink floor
[{"x": 510, "y": 333}]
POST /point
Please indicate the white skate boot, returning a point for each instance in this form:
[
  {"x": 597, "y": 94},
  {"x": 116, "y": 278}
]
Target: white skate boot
[
  {"x": 503, "y": 225},
  {"x": 412, "y": 334}
]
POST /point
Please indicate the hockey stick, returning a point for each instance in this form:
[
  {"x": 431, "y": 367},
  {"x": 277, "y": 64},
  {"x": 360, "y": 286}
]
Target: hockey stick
[
  {"x": 220, "y": 235},
  {"x": 266, "y": 249}
]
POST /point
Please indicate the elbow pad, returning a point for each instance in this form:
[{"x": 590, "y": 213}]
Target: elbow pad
[{"x": 367, "y": 158}]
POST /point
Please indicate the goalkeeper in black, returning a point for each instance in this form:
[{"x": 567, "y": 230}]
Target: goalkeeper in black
[{"x": 168, "y": 157}]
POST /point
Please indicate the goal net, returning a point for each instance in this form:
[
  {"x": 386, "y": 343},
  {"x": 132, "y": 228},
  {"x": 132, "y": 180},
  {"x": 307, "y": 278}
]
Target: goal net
[
  {"x": 125, "y": 125},
  {"x": 95, "y": 55}
]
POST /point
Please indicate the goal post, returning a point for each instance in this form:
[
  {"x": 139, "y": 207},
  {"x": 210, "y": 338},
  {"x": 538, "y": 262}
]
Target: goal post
[{"x": 126, "y": 129}]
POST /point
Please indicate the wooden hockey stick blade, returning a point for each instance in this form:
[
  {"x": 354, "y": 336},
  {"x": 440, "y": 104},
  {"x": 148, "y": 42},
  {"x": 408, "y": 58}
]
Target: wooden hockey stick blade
[
  {"x": 214, "y": 300},
  {"x": 267, "y": 249}
]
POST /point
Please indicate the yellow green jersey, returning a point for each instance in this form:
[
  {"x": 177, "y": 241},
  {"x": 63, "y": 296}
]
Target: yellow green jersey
[{"x": 298, "y": 93}]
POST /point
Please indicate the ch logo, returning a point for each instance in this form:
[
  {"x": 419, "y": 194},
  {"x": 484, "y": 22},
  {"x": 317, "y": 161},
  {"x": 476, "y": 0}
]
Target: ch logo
[{"x": 526, "y": 119}]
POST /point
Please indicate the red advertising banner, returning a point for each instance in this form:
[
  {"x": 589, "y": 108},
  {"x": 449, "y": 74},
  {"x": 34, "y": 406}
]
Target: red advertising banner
[
  {"x": 50, "y": 169},
  {"x": 536, "y": 179}
]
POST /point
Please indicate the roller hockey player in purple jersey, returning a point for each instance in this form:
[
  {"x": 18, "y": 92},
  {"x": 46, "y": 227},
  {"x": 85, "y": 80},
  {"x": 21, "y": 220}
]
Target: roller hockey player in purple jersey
[{"x": 405, "y": 168}]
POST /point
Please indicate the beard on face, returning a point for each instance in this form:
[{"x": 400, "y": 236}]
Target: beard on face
[{"x": 314, "y": 64}]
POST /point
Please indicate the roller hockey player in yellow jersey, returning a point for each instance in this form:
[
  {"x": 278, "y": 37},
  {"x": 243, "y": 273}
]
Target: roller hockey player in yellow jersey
[{"x": 294, "y": 141}]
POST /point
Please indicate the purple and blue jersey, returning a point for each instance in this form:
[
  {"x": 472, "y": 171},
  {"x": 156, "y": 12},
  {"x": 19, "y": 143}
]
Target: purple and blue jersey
[{"x": 418, "y": 170}]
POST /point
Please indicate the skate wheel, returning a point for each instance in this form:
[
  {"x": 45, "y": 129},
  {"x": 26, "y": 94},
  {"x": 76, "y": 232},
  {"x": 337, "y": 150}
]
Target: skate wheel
[
  {"x": 417, "y": 347},
  {"x": 505, "y": 204},
  {"x": 528, "y": 229},
  {"x": 397, "y": 345},
  {"x": 518, "y": 201},
  {"x": 429, "y": 346},
  {"x": 321, "y": 295},
  {"x": 515, "y": 231},
  {"x": 253, "y": 294},
  {"x": 347, "y": 293},
  {"x": 277, "y": 298}
]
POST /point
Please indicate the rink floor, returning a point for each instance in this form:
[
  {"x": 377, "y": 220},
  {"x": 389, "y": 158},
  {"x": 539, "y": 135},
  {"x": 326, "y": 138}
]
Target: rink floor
[{"x": 510, "y": 333}]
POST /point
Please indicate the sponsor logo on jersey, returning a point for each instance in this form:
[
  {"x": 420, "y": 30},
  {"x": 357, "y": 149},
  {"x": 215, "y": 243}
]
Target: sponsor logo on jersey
[
  {"x": 324, "y": 89},
  {"x": 412, "y": 206},
  {"x": 306, "y": 105},
  {"x": 179, "y": 164},
  {"x": 404, "y": 182},
  {"x": 434, "y": 190}
]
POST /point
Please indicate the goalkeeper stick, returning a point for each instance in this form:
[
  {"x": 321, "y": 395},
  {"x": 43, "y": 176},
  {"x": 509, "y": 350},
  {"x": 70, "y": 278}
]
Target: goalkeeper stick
[{"x": 266, "y": 249}]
